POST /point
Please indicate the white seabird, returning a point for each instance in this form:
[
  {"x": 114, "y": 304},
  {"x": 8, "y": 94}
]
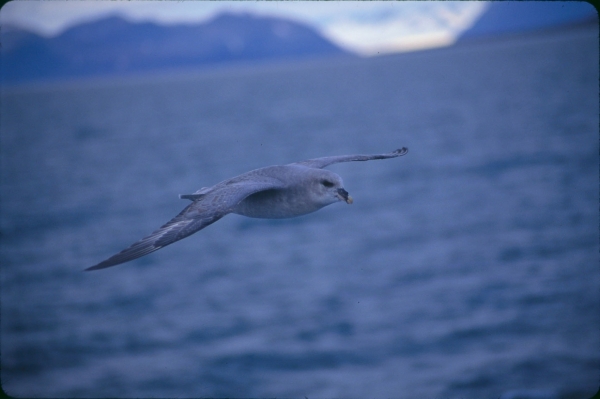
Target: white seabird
[{"x": 281, "y": 191}]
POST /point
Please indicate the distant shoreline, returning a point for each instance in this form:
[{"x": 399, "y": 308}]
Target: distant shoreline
[{"x": 259, "y": 66}]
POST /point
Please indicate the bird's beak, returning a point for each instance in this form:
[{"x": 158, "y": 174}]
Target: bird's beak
[{"x": 343, "y": 194}]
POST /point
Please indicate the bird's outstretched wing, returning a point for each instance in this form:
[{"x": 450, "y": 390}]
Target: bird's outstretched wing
[
  {"x": 211, "y": 206},
  {"x": 325, "y": 161}
]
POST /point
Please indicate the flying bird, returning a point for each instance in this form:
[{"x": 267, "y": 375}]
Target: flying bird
[{"x": 273, "y": 192}]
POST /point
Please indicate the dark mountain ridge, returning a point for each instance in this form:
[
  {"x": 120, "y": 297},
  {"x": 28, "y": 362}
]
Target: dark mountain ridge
[
  {"x": 504, "y": 18},
  {"x": 112, "y": 46}
]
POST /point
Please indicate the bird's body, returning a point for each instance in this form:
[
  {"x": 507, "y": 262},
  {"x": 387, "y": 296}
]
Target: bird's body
[
  {"x": 287, "y": 201},
  {"x": 273, "y": 192}
]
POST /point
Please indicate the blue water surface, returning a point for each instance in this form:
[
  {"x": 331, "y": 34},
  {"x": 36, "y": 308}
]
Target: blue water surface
[{"x": 467, "y": 269}]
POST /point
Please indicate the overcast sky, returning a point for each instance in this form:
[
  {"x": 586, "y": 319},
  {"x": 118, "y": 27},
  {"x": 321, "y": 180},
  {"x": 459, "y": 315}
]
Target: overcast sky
[{"x": 366, "y": 27}]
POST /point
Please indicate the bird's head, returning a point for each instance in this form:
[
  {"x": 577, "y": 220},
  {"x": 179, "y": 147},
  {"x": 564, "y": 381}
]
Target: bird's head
[{"x": 328, "y": 188}]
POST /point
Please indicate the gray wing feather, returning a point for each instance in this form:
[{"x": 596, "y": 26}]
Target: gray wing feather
[
  {"x": 319, "y": 163},
  {"x": 210, "y": 207},
  {"x": 177, "y": 228}
]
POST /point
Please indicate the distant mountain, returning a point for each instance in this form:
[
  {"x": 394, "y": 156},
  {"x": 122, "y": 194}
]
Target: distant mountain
[
  {"x": 112, "y": 46},
  {"x": 513, "y": 17}
]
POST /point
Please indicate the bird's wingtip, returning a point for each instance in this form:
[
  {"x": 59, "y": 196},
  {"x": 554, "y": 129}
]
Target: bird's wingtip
[
  {"x": 101, "y": 265},
  {"x": 401, "y": 151}
]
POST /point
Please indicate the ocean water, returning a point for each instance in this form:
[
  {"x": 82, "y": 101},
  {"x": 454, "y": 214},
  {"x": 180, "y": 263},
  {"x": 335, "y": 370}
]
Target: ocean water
[{"x": 468, "y": 268}]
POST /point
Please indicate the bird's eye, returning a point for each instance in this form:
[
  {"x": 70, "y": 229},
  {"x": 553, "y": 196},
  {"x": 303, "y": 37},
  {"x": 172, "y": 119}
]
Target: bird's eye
[{"x": 327, "y": 183}]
